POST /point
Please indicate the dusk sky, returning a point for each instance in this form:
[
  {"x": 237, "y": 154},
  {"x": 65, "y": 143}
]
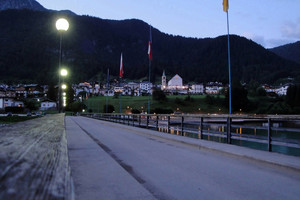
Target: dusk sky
[{"x": 270, "y": 23}]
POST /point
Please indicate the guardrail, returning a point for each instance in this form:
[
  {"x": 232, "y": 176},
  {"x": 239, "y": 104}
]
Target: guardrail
[{"x": 270, "y": 130}]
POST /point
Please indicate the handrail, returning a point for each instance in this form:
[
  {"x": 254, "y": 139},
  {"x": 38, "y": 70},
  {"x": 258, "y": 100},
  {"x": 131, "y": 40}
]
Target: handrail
[{"x": 202, "y": 124}]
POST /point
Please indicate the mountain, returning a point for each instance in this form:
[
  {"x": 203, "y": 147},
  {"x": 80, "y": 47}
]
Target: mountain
[
  {"x": 21, "y": 4},
  {"x": 289, "y": 51},
  {"x": 29, "y": 52}
]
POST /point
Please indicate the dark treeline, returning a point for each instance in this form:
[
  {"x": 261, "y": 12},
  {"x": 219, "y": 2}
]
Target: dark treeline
[{"x": 29, "y": 44}]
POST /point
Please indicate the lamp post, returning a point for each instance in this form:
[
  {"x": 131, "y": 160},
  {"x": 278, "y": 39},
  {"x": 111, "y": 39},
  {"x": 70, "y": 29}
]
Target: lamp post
[
  {"x": 63, "y": 73},
  {"x": 62, "y": 25}
]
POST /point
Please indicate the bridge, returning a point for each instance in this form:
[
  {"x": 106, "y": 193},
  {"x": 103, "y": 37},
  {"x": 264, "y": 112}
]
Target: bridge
[
  {"x": 83, "y": 158},
  {"x": 132, "y": 163}
]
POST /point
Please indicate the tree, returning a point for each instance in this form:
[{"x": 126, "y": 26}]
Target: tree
[
  {"x": 31, "y": 104},
  {"x": 293, "y": 96},
  {"x": 261, "y": 92},
  {"x": 70, "y": 96},
  {"x": 52, "y": 93},
  {"x": 77, "y": 106},
  {"x": 239, "y": 99},
  {"x": 159, "y": 95}
]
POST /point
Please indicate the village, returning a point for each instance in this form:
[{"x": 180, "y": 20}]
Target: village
[{"x": 14, "y": 95}]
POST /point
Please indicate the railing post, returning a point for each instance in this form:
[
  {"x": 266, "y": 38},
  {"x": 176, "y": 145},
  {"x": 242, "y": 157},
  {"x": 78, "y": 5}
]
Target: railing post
[
  {"x": 147, "y": 123},
  {"x": 132, "y": 120},
  {"x": 128, "y": 120},
  {"x": 201, "y": 128},
  {"x": 269, "y": 135},
  {"x": 124, "y": 119},
  {"x": 156, "y": 123},
  {"x": 168, "y": 123},
  {"x": 139, "y": 120},
  {"x": 229, "y": 121},
  {"x": 182, "y": 121}
]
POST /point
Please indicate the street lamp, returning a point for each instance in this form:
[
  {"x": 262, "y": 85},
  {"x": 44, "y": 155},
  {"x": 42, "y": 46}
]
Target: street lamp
[
  {"x": 63, "y": 72},
  {"x": 62, "y": 25}
]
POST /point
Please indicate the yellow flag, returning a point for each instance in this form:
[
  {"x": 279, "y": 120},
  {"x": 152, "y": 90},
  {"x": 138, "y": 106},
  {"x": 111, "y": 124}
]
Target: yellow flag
[{"x": 225, "y": 5}]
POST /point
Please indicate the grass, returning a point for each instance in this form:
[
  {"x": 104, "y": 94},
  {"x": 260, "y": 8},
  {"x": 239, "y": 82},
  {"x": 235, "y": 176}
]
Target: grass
[
  {"x": 197, "y": 104},
  {"x": 14, "y": 119}
]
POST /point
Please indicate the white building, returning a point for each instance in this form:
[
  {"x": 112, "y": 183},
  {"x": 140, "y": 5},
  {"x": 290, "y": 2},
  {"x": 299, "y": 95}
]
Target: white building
[
  {"x": 282, "y": 91},
  {"x": 213, "y": 88},
  {"x": 197, "y": 89},
  {"x": 175, "y": 82},
  {"x": 146, "y": 87},
  {"x": 1, "y": 103},
  {"x": 175, "y": 85},
  {"x": 11, "y": 102},
  {"x": 48, "y": 105}
]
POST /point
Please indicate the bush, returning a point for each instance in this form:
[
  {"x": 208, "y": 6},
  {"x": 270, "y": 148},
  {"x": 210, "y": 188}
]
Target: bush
[
  {"x": 14, "y": 109},
  {"x": 162, "y": 111},
  {"x": 209, "y": 100},
  {"x": 179, "y": 101},
  {"x": 189, "y": 98},
  {"x": 135, "y": 111},
  {"x": 110, "y": 108}
]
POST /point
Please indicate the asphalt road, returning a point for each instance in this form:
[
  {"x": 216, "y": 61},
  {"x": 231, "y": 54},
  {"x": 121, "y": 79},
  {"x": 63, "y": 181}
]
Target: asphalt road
[{"x": 107, "y": 158}]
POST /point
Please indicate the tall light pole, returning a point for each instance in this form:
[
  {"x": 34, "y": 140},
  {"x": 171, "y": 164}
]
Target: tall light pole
[
  {"x": 62, "y": 25},
  {"x": 63, "y": 73}
]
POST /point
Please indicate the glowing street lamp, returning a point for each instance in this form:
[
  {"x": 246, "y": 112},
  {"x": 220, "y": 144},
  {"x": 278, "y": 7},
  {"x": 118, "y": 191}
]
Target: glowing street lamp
[
  {"x": 63, "y": 72},
  {"x": 64, "y": 86},
  {"x": 62, "y": 25}
]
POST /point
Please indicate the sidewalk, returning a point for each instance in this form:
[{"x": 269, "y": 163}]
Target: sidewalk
[
  {"x": 96, "y": 175},
  {"x": 273, "y": 158}
]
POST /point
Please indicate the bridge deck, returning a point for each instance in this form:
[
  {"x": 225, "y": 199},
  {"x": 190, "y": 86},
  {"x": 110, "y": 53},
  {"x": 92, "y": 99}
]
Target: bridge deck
[{"x": 113, "y": 161}]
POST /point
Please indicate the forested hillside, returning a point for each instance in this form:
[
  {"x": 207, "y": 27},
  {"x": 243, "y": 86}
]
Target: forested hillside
[
  {"x": 289, "y": 51},
  {"x": 29, "y": 51}
]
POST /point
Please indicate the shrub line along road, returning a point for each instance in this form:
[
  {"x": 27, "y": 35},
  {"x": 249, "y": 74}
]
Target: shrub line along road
[{"x": 114, "y": 161}]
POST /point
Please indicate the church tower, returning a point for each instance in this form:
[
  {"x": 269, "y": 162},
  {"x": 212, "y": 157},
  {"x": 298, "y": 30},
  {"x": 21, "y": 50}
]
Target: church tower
[{"x": 163, "y": 81}]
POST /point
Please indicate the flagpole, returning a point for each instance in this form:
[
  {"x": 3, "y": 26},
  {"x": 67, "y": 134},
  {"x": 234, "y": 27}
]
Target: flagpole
[
  {"x": 229, "y": 64},
  {"x": 120, "y": 96},
  {"x": 107, "y": 89},
  {"x": 121, "y": 76},
  {"x": 150, "y": 57},
  {"x": 149, "y": 85}
]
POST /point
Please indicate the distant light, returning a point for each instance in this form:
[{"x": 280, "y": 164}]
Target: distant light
[
  {"x": 64, "y": 86},
  {"x": 64, "y": 94},
  {"x": 62, "y": 24},
  {"x": 63, "y": 72}
]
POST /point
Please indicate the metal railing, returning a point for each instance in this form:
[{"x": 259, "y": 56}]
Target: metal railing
[{"x": 270, "y": 130}]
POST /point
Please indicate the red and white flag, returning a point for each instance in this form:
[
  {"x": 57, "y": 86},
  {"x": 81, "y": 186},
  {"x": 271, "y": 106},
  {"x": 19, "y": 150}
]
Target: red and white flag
[
  {"x": 121, "y": 66},
  {"x": 150, "y": 50},
  {"x": 150, "y": 44}
]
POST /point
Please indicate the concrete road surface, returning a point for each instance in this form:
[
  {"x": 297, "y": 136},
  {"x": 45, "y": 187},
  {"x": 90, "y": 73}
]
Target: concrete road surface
[{"x": 113, "y": 161}]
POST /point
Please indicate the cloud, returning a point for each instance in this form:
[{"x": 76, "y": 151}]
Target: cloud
[
  {"x": 256, "y": 38},
  {"x": 268, "y": 42},
  {"x": 291, "y": 29}
]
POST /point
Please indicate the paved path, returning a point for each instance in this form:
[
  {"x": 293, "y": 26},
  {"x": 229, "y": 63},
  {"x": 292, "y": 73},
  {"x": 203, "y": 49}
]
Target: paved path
[{"x": 113, "y": 161}]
